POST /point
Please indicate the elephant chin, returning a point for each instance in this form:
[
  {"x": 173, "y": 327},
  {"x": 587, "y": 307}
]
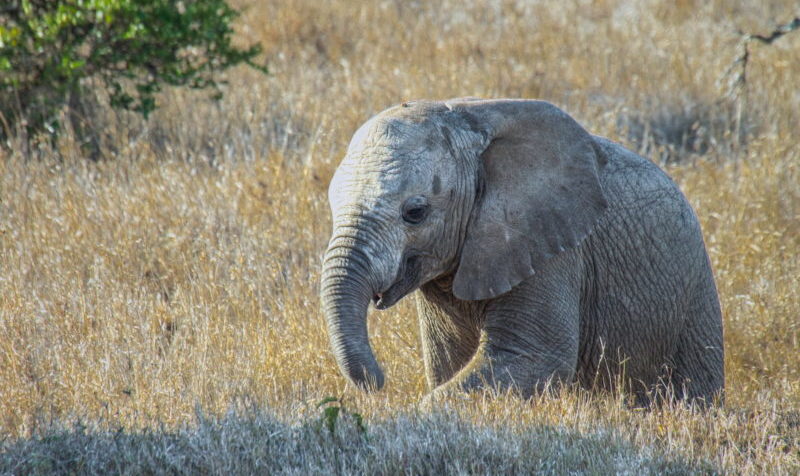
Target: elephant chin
[{"x": 408, "y": 280}]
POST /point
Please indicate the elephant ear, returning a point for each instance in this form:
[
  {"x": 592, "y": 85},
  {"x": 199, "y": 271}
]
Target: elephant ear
[{"x": 540, "y": 193}]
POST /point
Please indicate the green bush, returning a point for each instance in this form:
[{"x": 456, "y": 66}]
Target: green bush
[{"x": 133, "y": 47}]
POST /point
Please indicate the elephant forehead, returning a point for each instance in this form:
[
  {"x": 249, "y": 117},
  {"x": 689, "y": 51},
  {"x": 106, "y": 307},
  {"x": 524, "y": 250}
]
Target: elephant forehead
[
  {"x": 390, "y": 158},
  {"x": 390, "y": 136},
  {"x": 374, "y": 183}
]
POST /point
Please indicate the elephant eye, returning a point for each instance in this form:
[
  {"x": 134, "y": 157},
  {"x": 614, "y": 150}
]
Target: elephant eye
[{"x": 415, "y": 210}]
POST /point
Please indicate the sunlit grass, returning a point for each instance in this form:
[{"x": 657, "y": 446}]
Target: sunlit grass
[{"x": 181, "y": 274}]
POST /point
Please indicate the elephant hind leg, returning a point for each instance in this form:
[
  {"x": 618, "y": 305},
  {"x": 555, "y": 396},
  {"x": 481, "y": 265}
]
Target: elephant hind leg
[{"x": 697, "y": 365}]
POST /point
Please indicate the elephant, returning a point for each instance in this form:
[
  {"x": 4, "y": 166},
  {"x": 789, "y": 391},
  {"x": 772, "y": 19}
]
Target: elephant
[{"x": 538, "y": 254}]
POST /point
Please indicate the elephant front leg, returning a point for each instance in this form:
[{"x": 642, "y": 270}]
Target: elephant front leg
[
  {"x": 502, "y": 370},
  {"x": 449, "y": 340},
  {"x": 530, "y": 339},
  {"x": 517, "y": 370}
]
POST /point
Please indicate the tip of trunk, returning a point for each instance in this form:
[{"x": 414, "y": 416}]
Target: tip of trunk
[
  {"x": 368, "y": 380},
  {"x": 357, "y": 363}
]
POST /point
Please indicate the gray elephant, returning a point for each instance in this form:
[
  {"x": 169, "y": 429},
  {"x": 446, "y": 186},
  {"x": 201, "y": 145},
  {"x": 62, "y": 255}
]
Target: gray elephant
[{"x": 541, "y": 254}]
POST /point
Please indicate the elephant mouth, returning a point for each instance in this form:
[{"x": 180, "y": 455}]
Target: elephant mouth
[{"x": 407, "y": 281}]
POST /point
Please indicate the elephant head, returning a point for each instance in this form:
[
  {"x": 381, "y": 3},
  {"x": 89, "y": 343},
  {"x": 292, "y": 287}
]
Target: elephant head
[{"x": 485, "y": 191}]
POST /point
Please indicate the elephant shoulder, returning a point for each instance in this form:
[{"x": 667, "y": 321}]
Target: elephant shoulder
[
  {"x": 631, "y": 181},
  {"x": 645, "y": 204},
  {"x": 649, "y": 228}
]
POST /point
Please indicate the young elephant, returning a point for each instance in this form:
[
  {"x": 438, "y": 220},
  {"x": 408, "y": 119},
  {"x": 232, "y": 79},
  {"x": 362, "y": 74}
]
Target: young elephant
[{"x": 541, "y": 253}]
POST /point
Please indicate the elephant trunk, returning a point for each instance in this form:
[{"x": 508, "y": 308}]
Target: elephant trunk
[{"x": 345, "y": 294}]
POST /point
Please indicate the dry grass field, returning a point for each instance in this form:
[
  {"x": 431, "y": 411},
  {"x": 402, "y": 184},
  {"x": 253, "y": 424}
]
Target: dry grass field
[{"x": 159, "y": 309}]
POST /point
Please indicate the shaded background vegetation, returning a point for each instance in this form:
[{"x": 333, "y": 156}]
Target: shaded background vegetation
[
  {"x": 57, "y": 53},
  {"x": 180, "y": 274}
]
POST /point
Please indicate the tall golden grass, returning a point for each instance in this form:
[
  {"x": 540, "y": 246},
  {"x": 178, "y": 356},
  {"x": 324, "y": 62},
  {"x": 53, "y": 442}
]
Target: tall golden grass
[{"x": 181, "y": 273}]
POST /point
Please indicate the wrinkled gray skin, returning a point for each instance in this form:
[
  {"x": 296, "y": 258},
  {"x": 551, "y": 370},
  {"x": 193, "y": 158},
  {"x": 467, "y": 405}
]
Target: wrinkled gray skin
[{"x": 541, "y": 253}]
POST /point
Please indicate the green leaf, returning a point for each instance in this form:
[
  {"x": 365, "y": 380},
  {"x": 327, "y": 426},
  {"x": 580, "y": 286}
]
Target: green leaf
[
  {"x": 331, "y": 414},
  {"x": 327, "y": 400}
]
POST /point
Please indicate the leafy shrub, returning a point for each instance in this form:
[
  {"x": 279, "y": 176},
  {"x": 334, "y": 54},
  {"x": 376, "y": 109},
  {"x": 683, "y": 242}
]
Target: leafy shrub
[{"x": 133, "y": 47}]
